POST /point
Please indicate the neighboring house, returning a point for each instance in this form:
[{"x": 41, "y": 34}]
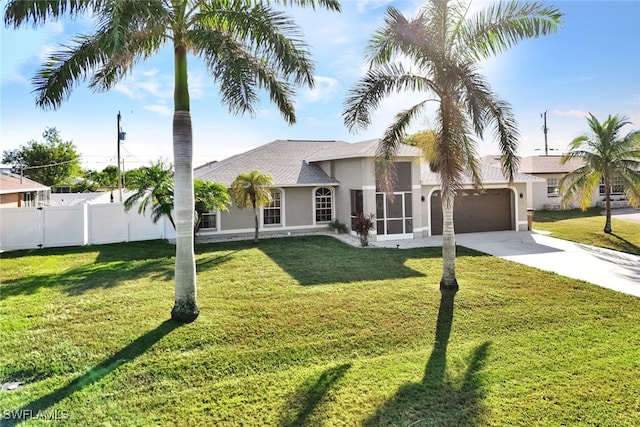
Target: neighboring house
[
  {"x": 17, "y": 191},
  {"x": 317, "y": 182},
  {"x": 551, "y": 169}
]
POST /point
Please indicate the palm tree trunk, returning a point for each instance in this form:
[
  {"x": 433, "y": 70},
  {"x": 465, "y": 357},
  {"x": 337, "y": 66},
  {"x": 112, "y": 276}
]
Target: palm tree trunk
[
  {"x": 448, "y": 280},
  {"x": 607, "y": 205},
  {"x": 185, "y": 308},
  {"x": 257, "y": 222}
]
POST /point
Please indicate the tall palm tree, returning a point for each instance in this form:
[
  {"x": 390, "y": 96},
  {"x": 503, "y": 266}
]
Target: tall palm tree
[
  {"x": 606, "y": 154},
  {"x": 246, "y": 46},
  {"x": 252, "y": 189},
  {"x": 153, "y": 187},
  {"x": 444, "y": 44}
]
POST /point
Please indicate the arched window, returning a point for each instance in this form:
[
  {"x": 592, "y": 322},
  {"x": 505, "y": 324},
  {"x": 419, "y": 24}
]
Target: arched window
[{"x": 324, "y": 206}]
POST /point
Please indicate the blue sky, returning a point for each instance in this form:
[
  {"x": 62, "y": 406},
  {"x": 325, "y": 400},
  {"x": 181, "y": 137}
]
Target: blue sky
[{"x": 591, "y": 65}]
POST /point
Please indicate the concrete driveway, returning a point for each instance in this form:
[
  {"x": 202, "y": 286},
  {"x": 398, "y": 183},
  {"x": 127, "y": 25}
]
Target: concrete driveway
[{"x": 610, "y": 269}]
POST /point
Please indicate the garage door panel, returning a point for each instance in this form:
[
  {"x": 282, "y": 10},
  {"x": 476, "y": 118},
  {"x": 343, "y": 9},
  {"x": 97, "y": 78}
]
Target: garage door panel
[{"x": 475, "y": 212}]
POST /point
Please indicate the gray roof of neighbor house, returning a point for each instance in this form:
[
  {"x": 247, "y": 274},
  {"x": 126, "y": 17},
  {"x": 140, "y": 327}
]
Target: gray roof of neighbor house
[
  {"x": 539, "y": 164},
  {"x": 488, "y": 174},
  {"x": 287, "y": 161},
  {"x": 12, "y": 183}
]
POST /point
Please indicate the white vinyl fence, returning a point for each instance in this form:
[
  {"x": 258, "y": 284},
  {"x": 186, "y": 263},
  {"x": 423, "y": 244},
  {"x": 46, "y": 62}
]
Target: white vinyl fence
[{"x": 77, "y": 225}]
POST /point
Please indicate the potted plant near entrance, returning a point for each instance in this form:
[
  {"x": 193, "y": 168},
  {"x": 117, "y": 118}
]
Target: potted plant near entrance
[{"x": 362, "y": 224}]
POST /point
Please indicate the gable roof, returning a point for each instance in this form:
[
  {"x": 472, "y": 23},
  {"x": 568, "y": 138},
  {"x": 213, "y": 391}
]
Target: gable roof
[
  {"x": 539, "y": 164},
  {"x": 361, "y": 149},
  {"x": 488, "y": 175},
  {"x": 12, "y": 183},
  {"x": 285, "y": 160}
]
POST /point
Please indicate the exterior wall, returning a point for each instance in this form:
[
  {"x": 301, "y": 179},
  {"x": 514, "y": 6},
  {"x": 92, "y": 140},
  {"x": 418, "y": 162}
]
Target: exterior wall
[
  {"x": 541, "y": 200},
  {"x": 10, "y": 200},
  {"x": 236, "y": 218},
  {"x": 353, "y": 174},
  {"x": 299, "y": 206}
]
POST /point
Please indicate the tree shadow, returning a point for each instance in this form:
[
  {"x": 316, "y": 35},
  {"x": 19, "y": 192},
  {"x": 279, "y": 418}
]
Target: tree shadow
[
  {"x": 626, "y": 245},
  {"x": 559, "y": 215},
  {"x": 321, "y": 260},
  {"x": 310, "y": 395},
  {"x": 128, "y": 354},
  {"x": 438, "y": 400},
  {"x": 114, "y": 265}
]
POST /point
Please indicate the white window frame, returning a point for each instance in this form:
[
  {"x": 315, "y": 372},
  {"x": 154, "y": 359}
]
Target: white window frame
[
  {"x": 314, "y": 200},
  {"x": 616, "y": 181},
  {"x": 269, "y": 207},
  {"x": 217, "y": 217},
  {"x": 555, "y": 193}
]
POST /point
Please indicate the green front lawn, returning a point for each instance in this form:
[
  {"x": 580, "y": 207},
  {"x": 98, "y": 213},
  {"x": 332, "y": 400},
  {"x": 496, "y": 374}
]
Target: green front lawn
[
  {"x": 310, "y": 331},
  {"x": 587, "y": 227}
]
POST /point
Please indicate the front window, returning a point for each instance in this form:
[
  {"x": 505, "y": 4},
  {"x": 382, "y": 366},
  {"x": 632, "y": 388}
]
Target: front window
[
  {"x": 323, "y": 205},
  {"x": 617, "y": 186},
  {"x": 272, "y": 212},
  {"x": 553, "y": 187},
  {"x": 208, "y": 220}
]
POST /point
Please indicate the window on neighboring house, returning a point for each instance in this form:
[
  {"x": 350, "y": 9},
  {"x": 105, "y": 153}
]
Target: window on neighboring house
[
  {"x": 617, "y": 186},
  {"x": 323, "y": 205},
  {"x": 553, "y": 187},
  {"x": 27, "y": 198},
  {"x": 272, "y": 212},
  {"x": 209, "y": 220}
]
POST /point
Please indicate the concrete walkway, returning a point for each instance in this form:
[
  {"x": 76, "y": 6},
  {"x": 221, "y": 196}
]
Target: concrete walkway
[{"x": 610, "y": 269}]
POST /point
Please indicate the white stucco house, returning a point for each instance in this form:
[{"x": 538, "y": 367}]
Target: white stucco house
[
  {"x": 317, "y": 182},
  {"x": 548, "y": 195}
]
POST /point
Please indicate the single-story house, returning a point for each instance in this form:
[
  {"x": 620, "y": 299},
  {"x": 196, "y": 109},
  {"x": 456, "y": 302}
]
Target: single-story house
[
  {"x": 550, "y": 168},
  {"x": 17, "y": 191},
  {"x": 317, "y": 182}
]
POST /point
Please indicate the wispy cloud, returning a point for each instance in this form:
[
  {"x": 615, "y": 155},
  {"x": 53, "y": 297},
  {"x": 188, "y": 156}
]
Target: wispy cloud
[
  {"x": 325, "y": 87},
  {"x": 571, "y": 113}
]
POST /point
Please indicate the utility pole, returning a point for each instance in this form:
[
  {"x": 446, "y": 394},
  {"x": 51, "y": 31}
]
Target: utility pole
[
  {"x": 545, "y": 129},
  {"x": 119, "y": 173}
]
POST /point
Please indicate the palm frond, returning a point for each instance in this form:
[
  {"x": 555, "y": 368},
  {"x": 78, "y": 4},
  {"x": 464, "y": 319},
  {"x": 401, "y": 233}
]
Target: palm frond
[
  {"x": 21, "y": 12},
  {"x": 377, "y": 84},
  {"x": 579, "y": 184},
  {"x": 501, "y": 26},
  {"x": 394, "y": 135}
]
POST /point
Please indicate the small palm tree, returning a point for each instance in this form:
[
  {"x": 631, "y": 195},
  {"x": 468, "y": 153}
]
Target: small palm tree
[
  {"x": 444, "y": 43},
  {"x": 209, "y": 195},
  {"x": 252, "y": 189},
  {"x": 605, "y": 155},
  {"x": 247, "y": 46},
  {"x": 153, "y": 187}
]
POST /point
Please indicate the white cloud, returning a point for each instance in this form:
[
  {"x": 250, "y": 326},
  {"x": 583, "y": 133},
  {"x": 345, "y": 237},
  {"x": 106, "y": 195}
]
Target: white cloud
[
  {"x": 324, "y": 88},
  {"x": 570, "y": 113}
]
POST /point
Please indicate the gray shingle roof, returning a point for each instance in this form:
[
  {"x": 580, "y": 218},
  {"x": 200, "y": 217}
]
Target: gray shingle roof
[
  {"x": 361, "y": 149},
  {"x": 285, "y": 160},
  {"x": 539, "y": 164},
  {"x": 488, "y": 175}
]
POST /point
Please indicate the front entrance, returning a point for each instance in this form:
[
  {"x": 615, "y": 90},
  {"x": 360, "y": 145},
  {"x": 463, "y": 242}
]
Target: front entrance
[{"x": 394, "y": 218}]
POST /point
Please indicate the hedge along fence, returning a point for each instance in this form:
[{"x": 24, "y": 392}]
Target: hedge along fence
[{"x": 77, "y": 225}]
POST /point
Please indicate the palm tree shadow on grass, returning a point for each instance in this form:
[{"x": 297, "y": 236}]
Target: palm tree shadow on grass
[
  {"x": 628, "y": 246},
  {"x": 128, "y": 354},
  {"x": 438, "y": 400},
  {"x": 310, "y": 395}
]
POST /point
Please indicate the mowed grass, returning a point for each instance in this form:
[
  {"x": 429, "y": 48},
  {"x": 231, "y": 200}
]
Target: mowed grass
[
  {"x": 312, "y": 332},
  {"x": 587, "y": 227}
]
